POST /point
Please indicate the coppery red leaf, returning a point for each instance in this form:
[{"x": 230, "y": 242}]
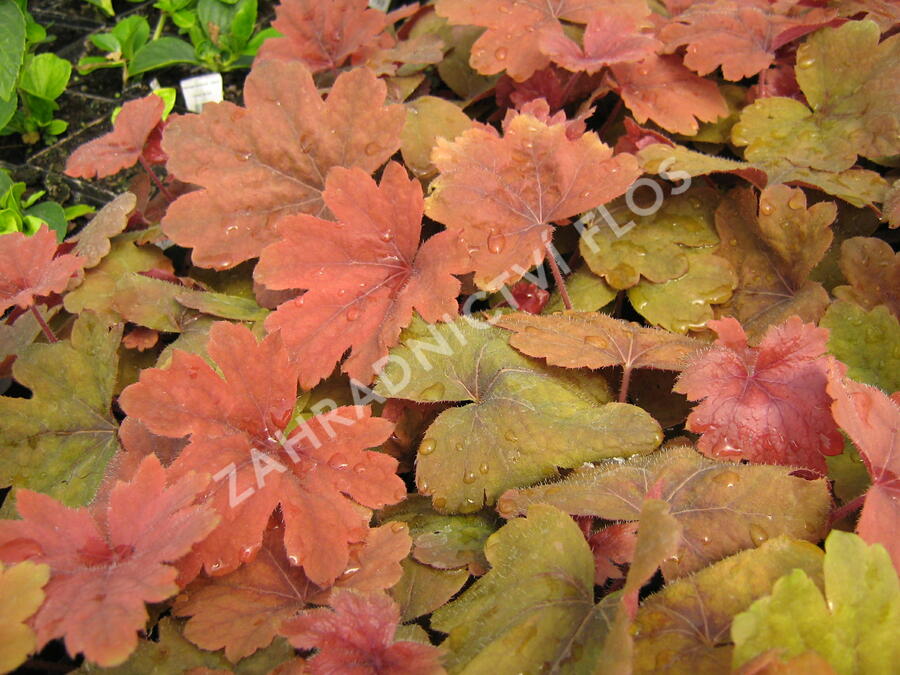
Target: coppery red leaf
[{"x": 28, "y": 268}]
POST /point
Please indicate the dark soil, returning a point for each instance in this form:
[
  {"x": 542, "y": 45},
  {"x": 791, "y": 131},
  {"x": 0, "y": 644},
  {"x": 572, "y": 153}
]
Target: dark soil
[{"x": 90, "y": 99}]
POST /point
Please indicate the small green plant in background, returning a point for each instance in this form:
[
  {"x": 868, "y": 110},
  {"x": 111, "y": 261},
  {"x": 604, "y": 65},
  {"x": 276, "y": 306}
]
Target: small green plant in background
[
  {"x": 29, "y": 83},
  {"x": 222, "y": 36},
  {"x": 26, "y": 214}
]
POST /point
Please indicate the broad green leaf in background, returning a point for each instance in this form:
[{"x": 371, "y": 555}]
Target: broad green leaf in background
[
  {"x": 165, "y": 51},
  {"x": 523, "y": 419},
  {"x": 868, "y": 342},
  {"x": 722, "y": 507},
  {"x": 60, "y": 440},
  {"x": 684, "y": 628},
  {"x": 850, "y": 83},
  {"x": 587, "y": 292},
  {"x": 12, "y": 48},
  {"x": 45, "y": 76},
  {"x": 535, "y": 608},
  {"x": 855, "y": 630}
]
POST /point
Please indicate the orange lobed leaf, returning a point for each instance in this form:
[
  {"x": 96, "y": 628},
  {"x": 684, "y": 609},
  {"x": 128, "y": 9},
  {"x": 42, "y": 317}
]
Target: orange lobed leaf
[
  {"x": 270, "y": 159},
  {"x": 767, "y": 404},
  {"x": 516, "y": 30},
  {"x": 872, "y": 269},
  {"x": 741, "y": 37},
  {"x": 121, "y": 147},
  {"x": 243, "y": 611},
  {"x": 532, "y": 176},
  {"x": 324, "y": 35},
  {"x": 356, "y": 637},
  {"x": 319, "y": 473},
  {"x": 108, "y": 561},
  {"x": 595, "y": 340},
  {"x": 660, "y": 88},
  {"x": 872, "y": 420},
  {"x": 364, "y": 274},
  {"x": 28, "y": 268},
  {"x": 615, "y": 35}
]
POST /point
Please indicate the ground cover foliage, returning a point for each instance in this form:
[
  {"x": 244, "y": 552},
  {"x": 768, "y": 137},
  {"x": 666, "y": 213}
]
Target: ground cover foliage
[{"x": 482, "y": 336}]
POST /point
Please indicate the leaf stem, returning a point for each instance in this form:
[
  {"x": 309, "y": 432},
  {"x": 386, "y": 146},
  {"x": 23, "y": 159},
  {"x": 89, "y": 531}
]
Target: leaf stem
[
  {"x": 48, "y": 333},
  {"x": 558, "y": 278},
  {"x": 156, "y": 181},
  {"x": 626, "y": 380},
  {"x": 847, "y": 509}
]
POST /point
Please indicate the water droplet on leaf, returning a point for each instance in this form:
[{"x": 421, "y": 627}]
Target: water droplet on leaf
[{"x": 427, "y": 446}]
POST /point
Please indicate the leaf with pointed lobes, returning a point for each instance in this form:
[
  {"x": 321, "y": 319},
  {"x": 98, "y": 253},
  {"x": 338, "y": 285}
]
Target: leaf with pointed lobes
[
  {"x": 30, "y": 268},
  {"x": 357, "y": 635},
  {"x": 270, "y": 159},
  {"x": 661, "y": 89},
  {"x": 243, "y": 611},
  {"x": 324, "y": 35},
  {"x": 773, "y": 248},
  {"x": 93, "y": 241},
  {"x": 741, "y": 37},
  {"x": 533, "y": 176},
  {"x": 60, "y": 440},
  {"x": 766, "y": 404},
  {"x": 123, "y": 146},
  {"x": 320, "y": 472},
  {"x": 365, "y": 274},
  {"x": 534, "y": 606},
  {"x": 855, "y": 630},
  {"x": 517, "y": 31},
  {"x": 620, "y": 33},
  {"x": 872, "y": 269},
  {"x": 113, "y": 558},
  {"x": 520, "y": 421},
  {"x": 595, "y": 340},
  {"x": 872, "y": 420},
  {"x": 721, "y": 508}
]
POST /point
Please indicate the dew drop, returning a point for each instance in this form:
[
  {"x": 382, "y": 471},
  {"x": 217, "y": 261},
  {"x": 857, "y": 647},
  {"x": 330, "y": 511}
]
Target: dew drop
[
  {"x": 460, "y": 447},
  {"x": 469, "y": 506},
  {"x": 433, "y": 393},
  {"x": 483, "y": 468},
  {"x": 439, "y": 502},
  {"x": 500, "y": 53},
  {"x": 359, "y": 468},
  {"x": 757, "y": 534},
  {"x": 217, "y": 565},
  {"x": 424, "y": 488},
  {"x": 353, "y": 314},
  {"x": 427, "y": 446},
  {"x": 338, "y": 461},
  {"x": 727, "y": 479},
  {"x": 372, "y": 149},
  {"x": 511, "y": 436},
  {"x": 807, "y": 62},
  {"x": 398, "y": 527},
  {"x": 596, "y": 341},
  {"x": 386, "y": 236},
  {"x": 496, "y": 242},
  {"x": 293, "y": 560},
  {"x": 766, "y": 208},
  {"x": 248, "y": 553},
  {"x": 469, "y": 477}
]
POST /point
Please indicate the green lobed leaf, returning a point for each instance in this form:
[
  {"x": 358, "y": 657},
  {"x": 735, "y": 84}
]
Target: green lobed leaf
[
  {"x": 855, "y": 630},
  {"x": 534, "y": 611},
  {"x": 684, "y": 628},
  {"x": 523, "y": 419},
  {"x": 45, "y": 76},
  {"x": 60, "y": 440},
  {"x": 868, "y": 342},
  {"x": 723, "y": 507}
]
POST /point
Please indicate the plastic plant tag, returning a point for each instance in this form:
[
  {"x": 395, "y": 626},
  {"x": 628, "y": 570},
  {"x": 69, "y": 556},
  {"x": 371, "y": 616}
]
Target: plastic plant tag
[
  {"x": 380, "y": 4},
  {"x": 202, "y": 89}
]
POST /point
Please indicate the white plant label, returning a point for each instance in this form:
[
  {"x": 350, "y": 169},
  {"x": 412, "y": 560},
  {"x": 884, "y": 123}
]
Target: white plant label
[
  {"x": 380, "y": 4},
  {"x": 202, "y": 89}
]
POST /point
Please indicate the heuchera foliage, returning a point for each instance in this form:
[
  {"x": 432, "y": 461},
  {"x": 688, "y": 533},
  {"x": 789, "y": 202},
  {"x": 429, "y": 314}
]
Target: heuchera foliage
[{"x": 479, "y": 336}]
